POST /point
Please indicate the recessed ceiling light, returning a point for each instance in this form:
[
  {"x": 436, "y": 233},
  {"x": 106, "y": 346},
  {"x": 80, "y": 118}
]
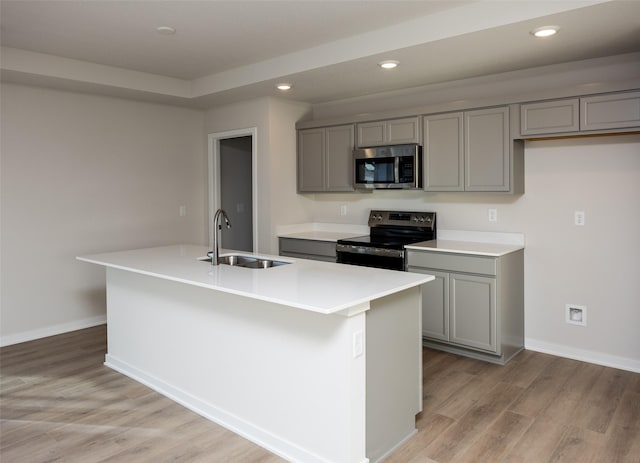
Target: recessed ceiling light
[
  {"x": 388, "y": 64},
  {"x": 545, "y": 31},
  {"x": 166, "y": 30},
  {"x": 284, "y": 86}
]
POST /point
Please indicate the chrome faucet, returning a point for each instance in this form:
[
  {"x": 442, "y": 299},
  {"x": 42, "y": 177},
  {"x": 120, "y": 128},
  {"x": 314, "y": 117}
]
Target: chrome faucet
[{"x": 217, "y": 226}]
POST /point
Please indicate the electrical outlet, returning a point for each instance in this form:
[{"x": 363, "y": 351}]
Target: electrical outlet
[
  {"x": 493, "y": 215},
  {"x": 578, "y": 218},
  {"x": 576, "y": 314},
  {"x": 343, "y": 210},
  {"x": 182, "y": 211}
]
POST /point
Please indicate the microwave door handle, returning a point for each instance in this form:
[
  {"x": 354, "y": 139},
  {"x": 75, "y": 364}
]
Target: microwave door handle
[{"x": 396, "y": 167}]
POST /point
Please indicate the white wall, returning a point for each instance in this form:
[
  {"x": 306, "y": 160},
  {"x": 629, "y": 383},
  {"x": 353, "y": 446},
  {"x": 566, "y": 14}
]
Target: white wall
[
  {"x": 275, "y": 121},
  {"x": 597, "y": 265},
  {"x": 84, "y": 174}
]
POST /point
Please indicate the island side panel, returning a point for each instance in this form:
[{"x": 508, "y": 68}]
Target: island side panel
[
  {"x": 394, "y": 370},
  {"x": 284, "y": 378}
]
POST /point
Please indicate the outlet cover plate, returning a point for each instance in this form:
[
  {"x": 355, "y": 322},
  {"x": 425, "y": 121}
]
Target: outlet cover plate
[{"x": 576, "y": 314}]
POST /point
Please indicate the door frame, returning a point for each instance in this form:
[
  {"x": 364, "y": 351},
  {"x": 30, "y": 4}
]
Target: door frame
[{"x": 214, "y": 176}]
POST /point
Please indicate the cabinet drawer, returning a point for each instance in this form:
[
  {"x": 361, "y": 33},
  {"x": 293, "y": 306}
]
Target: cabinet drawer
[
  {"x": 309, "y": 247},
  {"x": 452, "y": 262},
  {"x": 549, "y": 117}
]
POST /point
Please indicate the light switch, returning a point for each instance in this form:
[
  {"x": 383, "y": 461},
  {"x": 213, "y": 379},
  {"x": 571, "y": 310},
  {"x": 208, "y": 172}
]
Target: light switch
[{"x": 493, "y": 215}]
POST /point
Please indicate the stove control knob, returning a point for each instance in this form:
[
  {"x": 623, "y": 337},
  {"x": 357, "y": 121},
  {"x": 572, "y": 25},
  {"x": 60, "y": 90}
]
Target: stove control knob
[
  {"x": 421, "y": 219},
  {"x": 415, "y": 219}
]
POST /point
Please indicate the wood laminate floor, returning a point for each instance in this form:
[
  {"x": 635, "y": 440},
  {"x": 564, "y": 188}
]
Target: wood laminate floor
[{"x": 59, "y": 403}]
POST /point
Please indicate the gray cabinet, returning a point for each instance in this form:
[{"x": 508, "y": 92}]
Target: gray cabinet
[
  {"x": 486, "y": 150},
  {"x": 472, "y": 311},
  {"x": 308, "y": 249},
  {"x": 545, "y": 117},
  {"x": 443, "y": 152},
  {"x": 389, "y": 132},
  {"x": 325, "y": 159},
  {"x": 605, "y": 113},
  {"x": 611, "y": 111},
  {"x": 311, "y": 160},
  {"x": 475, "y": 305},
  {"x": 435, "y": 318},
  {"x": 472, "y": 151}
]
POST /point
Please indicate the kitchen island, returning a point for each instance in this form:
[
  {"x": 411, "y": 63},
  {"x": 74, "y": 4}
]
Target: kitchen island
[{"x": 315, "y": 361}]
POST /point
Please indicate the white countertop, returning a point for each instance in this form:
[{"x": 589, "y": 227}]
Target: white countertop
[
  {"x": 466, "y": 247},
  {"x": 322, "y": 231},
  {"x": 321, "y": 235},
  {"x": 322, "y": 287}
]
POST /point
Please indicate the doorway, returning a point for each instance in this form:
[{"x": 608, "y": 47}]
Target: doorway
[{"x": 232, "y": 187}]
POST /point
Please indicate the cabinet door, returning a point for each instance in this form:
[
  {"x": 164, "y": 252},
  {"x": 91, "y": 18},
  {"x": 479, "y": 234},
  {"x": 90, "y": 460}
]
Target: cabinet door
[
  {"x": 617, "y": 111},
  {"x": 549, "y": 117},
  {"x": 435, "y": 304},
  {"x": 400, "y": 131},
  {"x": 486, "y": 145},
  {"x": 472, "y": 307},
  {"x": 443, "y": 152},
  {"x": 371, "y": 134},
  {"x": 391, "y": 132},
  {"x": 311, "y": 160},
  {"x": 339, "y": 158}
]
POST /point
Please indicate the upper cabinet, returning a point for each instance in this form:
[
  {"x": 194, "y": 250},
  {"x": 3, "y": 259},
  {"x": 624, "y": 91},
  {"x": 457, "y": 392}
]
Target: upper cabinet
[
  {"x": 389, "y": 132},
  {"x": 472, "y": 151},
  {"x": 606, "y": 113},
  {"x": 550, "y": 117},
  {"x": 479, "y": 150},
  {"x": 325, "y": 159},
  {"x": 602, "y": 112},
  {"x": 443, "y": 152},
  {"x": 486, "y": 150}
]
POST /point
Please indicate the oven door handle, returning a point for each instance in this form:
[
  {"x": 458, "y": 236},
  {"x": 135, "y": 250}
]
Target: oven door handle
[{"x": 370, "y": 251}]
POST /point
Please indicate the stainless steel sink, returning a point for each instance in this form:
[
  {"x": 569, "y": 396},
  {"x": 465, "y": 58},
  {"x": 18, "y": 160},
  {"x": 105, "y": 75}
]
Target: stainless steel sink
[
  {"x": 235, "y": 260},
  {"x": 264, "y": 263},
  {"x": 246, "y": 261}
]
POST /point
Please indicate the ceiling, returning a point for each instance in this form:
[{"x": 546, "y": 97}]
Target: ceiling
[{"x": 225, "y": 51}]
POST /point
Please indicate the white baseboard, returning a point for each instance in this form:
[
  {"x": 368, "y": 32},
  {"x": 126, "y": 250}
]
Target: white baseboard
[
  {"x": 52, "y": 330},
  {"x": 599, "y": 358}
]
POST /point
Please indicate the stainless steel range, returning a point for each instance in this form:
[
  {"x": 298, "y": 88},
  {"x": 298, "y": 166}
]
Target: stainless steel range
[{"x": 389, "y": 233}]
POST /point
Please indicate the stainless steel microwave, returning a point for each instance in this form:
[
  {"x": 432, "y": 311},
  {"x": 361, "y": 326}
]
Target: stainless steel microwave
[{"x": 396, "y": 166}]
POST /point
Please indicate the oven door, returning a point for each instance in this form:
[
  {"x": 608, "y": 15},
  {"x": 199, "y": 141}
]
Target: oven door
[{"x": 392, "y": 259}]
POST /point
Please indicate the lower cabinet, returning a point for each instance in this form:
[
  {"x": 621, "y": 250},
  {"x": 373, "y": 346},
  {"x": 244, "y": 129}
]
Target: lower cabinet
[
  {"x": 308, "y": 249},
  {"x": 472, "y": 311},
  {"x": 475, "y": 305}
]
